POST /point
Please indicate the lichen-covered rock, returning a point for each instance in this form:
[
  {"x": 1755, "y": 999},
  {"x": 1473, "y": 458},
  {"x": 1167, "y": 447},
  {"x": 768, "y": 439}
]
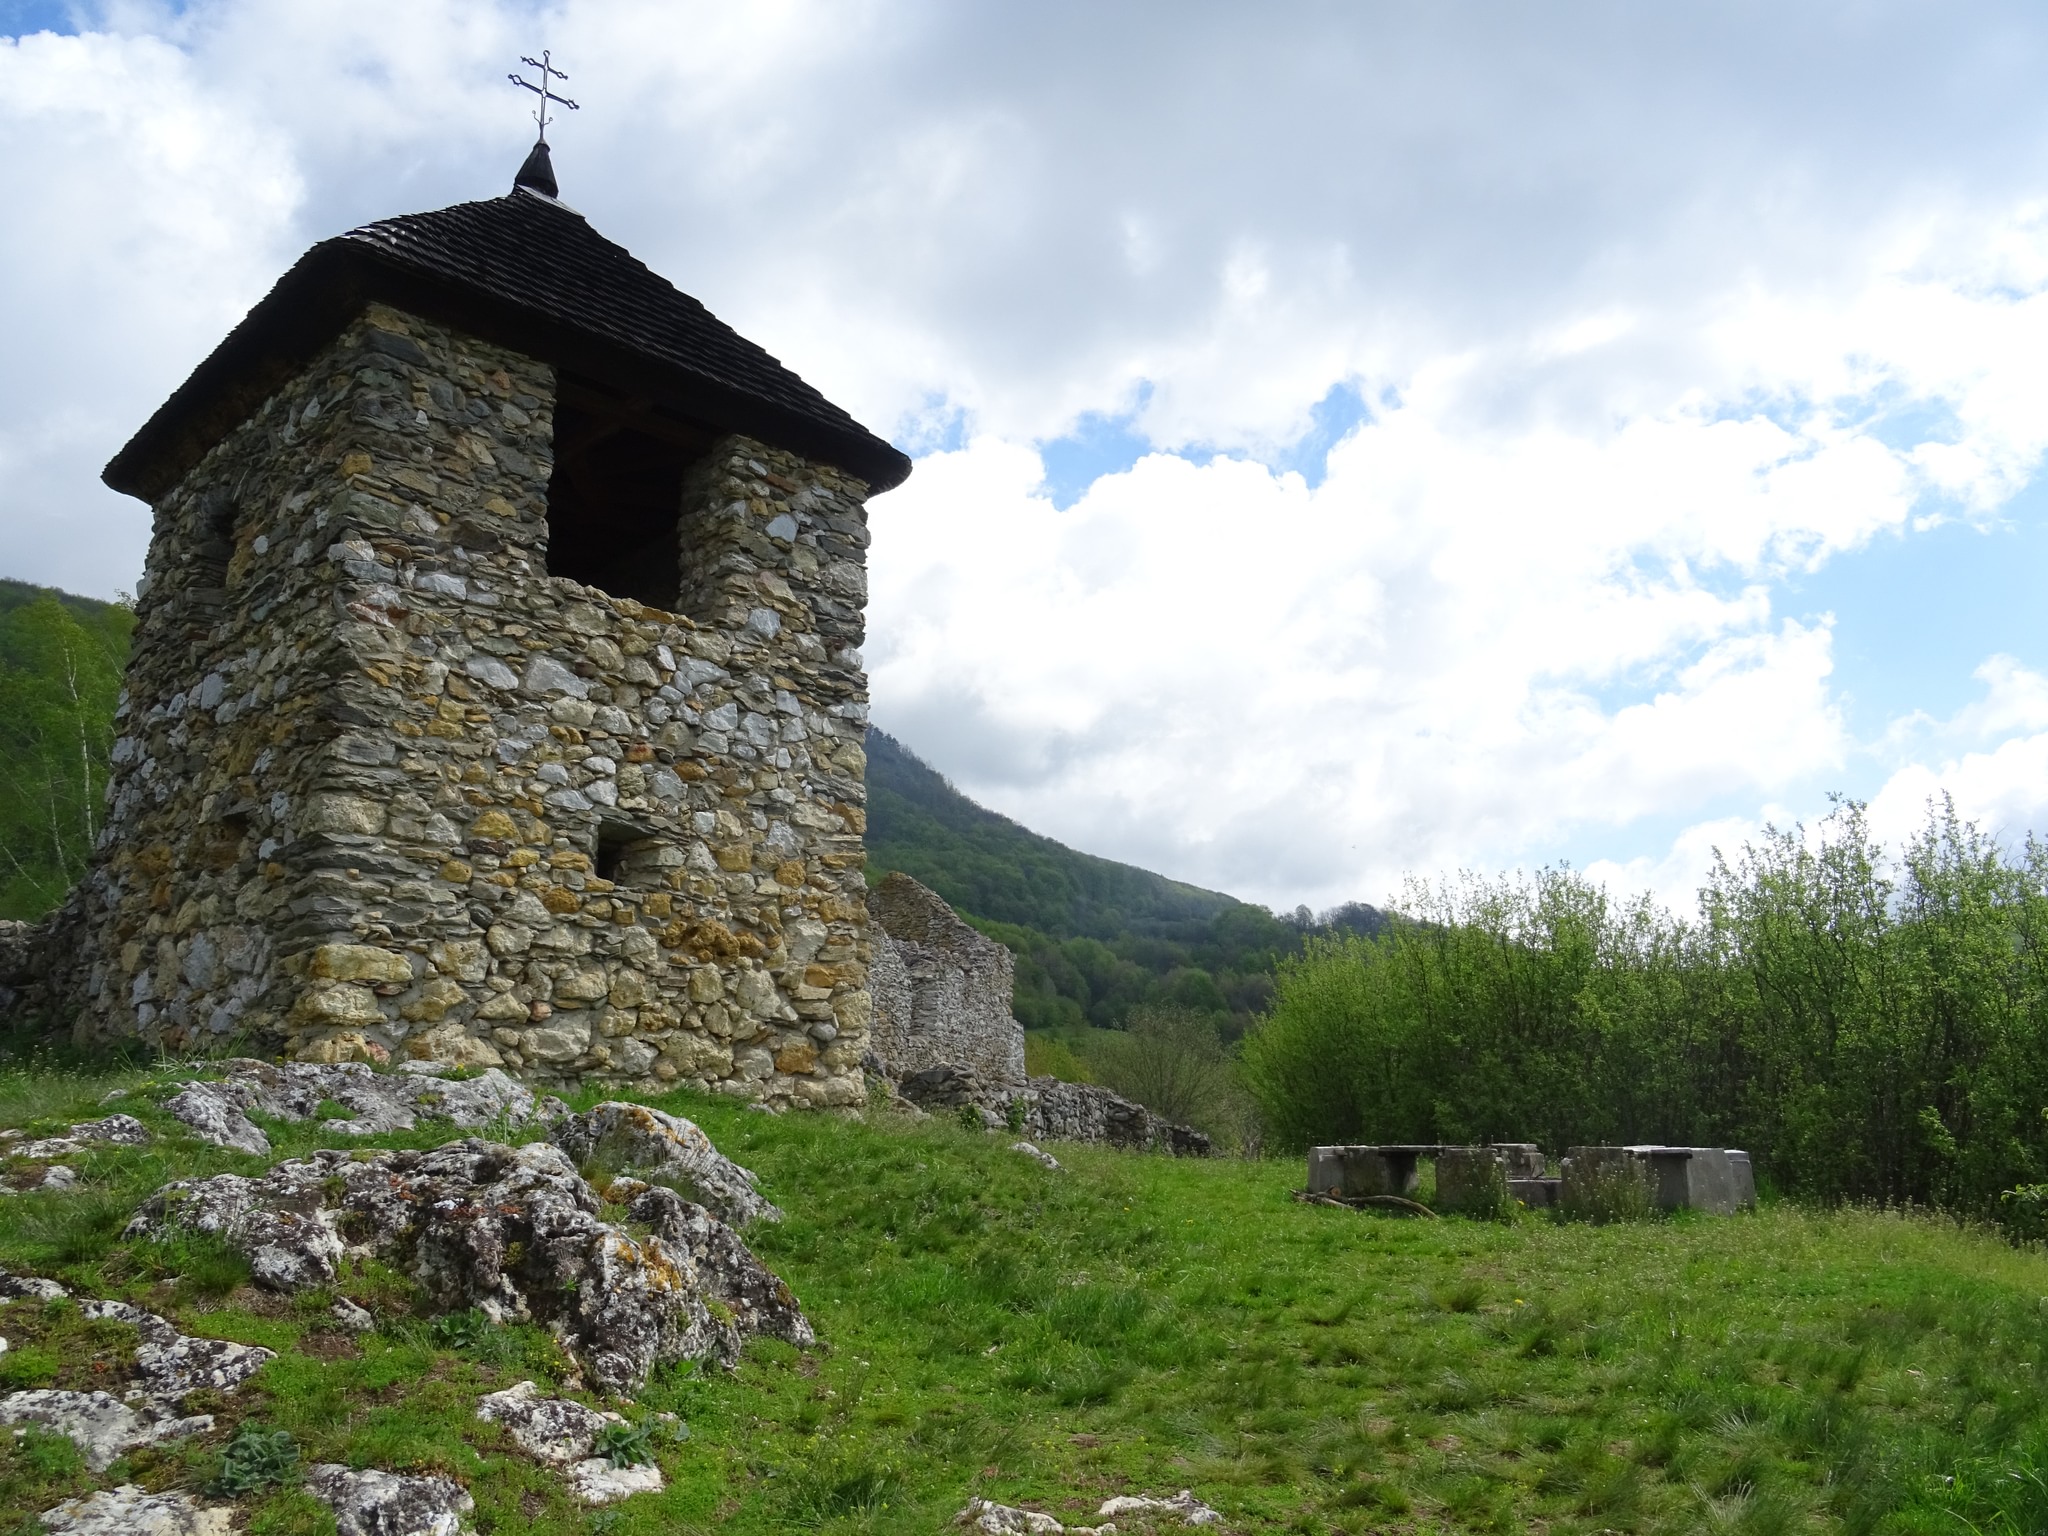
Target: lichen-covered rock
[
  {"x": 513, "y": 1231},
  {"x": 29, "y": 1288},
  {"x": 552, "y": 1430},
  {"x": 132, "y": 1511},
  {"x": 103, "y": 1427},
  {"x": 755, "y": 1296},
  {"x": 218, "y": 1111},
  {"x": 114, "y": 1130},
  {"x": 170, "y": 1365},
  {"x": 1183, "y": 1506},
  {"x": 634, "y": 1138},
  {"x": 993, "y": 1519},
  {"x": 55, "y": 1176},
  {"x": 560, "y": 1433},
  {"x": 597, "y": 1481},
  {"x": 374, "y": 1503}
]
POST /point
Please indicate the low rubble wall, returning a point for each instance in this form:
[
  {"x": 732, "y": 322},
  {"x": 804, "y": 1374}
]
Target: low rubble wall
[{"x": 1047, "y": 1109}]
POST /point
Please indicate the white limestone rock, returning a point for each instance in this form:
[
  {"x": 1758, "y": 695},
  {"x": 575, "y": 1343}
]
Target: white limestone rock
[
  {"x": 597, "y": 1481},
  {"x": 993, "y": 1519},
  {"x": 29, "y": 1288},
  {"x": 170, "y": 1365},
  {"x": 512, "y": 1231},
  {"x": 552, "y": 1430},
  {"x": 114, "y": 1130},
  {"x": 103, "y": 1426},
  {"x": 634, "y": 1138},
  {"x": 373, "y": 1503},
  {"x": 1184, "y": 1506},
  {"x": 1036, "y": 1154},
  {"x": 132, "y": 1511},
  {"x": 561, "y": 1433},
  {"x": 218, "y": 1111}
]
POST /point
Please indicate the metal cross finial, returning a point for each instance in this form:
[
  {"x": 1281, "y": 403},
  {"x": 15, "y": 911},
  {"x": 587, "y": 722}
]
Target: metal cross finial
[{"x": 545, "y": 64}]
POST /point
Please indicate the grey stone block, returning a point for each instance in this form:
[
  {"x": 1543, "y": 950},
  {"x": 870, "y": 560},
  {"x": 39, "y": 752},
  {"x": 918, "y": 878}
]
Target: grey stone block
[
  {"x": 1359, "y": 1172},
  {"x": 1472, "y": 1179}
]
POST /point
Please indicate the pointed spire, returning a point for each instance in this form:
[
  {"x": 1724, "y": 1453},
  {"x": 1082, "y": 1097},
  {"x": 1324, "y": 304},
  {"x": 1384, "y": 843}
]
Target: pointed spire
[{"x": 538, "y": 173}]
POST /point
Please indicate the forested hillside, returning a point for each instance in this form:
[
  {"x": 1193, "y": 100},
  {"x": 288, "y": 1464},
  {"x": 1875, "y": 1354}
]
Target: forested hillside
[
  {"x": 60, "y": 673},
  {"x": 1093, "y": 938}
]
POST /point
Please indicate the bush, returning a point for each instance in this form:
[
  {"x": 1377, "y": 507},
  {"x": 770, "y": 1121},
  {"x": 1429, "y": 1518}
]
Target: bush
[
  {"x": 1868, "y": 1027},
  {"x": 256, "y": 1459},
  {"x": 1172, "y": 1062}
]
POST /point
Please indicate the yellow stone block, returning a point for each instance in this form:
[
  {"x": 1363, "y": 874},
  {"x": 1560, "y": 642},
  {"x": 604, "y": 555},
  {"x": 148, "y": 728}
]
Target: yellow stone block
[
  {"x": 493, "y": 824},
  {"x": 357, "y": 962},
  {"x": 456, "y": 872},
  {"x": 797, "y": 1058},
  {"x": 559, "y": 898},
  {"x": 337, "y": 1005},
  {"x": 520, "y": 858},
  {"x": 735, "y": 857},
  {"x": 357, "y": 463}
]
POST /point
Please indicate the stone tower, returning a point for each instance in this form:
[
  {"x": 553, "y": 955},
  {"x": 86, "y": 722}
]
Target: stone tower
[{"x": 496, "y": 694}]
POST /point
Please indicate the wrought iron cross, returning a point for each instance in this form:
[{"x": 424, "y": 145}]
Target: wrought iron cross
[{"x": 545, "y": 64}]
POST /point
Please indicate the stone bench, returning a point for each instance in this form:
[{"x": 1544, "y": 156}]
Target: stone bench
[
  {"x": 1716, "y": 1180},
  {"x": 1467, "y": 1178}
]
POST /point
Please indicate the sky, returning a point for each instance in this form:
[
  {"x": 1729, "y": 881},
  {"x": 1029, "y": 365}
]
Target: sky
[{"x": 1354, "y": 441}]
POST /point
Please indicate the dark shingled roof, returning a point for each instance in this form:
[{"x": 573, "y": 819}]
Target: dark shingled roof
[{"x": 528, "y": 273}]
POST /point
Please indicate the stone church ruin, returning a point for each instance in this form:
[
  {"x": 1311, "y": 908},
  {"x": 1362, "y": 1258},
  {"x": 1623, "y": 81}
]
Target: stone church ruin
[{"x": 496, "y": 695}]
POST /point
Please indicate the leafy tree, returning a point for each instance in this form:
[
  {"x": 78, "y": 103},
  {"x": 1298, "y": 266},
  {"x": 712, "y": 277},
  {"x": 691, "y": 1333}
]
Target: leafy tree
[{"x": 60, "y": 676}]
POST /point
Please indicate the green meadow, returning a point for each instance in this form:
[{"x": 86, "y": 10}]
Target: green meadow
[{"x": 1129, "y": 1324}]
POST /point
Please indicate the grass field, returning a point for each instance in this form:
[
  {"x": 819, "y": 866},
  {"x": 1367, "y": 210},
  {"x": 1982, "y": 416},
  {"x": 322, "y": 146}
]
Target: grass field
[{"x": 1140, "y": 1325}]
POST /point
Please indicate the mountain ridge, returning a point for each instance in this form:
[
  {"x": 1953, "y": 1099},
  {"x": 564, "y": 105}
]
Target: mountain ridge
[{"x": 1093, "y": 938}]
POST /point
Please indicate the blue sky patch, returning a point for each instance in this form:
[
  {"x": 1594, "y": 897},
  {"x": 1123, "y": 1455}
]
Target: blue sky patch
[
  {"x": 1331, "y": 419},
  {"x": 1098, "y": 445},
  {"x": 19, "y": 18}
]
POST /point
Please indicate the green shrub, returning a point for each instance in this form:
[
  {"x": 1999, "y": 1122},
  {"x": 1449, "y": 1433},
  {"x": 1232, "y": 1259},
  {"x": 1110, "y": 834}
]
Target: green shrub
[
  {"x": 626, "y": 1445},
  {"x": 256, "y": 1459},
  {"x": 1869, "y": 1026}
]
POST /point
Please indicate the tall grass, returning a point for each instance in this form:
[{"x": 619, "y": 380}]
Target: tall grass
[{"x": 1870, "y": 1028}]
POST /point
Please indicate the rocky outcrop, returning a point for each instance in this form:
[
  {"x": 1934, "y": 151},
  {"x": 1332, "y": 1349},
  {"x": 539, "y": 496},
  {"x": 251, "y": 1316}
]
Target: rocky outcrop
[
  {"x": 218, "y": 1111},
  {"x": 515, "y": 1232},
  {"x": 132, "y": 1511},
  {"x": 102, "y": 1426},
  {"x": 666, "y": 1149},
  {"x": 170, "y": 1365},
  {"x": 114, "y": 1130},
  {"x": 941, "y": 991},
  {"x": 376, "y": 1503},
  {"x": 563, "y": 1434},
  {"x": 993, "y": 1519}
]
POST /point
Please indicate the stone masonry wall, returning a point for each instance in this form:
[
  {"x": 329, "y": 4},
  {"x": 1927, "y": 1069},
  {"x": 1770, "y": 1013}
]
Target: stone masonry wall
[
  {"x": 941, "y": 990},
  {"x": 371, "y": 755}
]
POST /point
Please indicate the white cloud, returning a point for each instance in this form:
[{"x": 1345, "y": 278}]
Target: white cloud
[{"x": 1656, "y": 310}]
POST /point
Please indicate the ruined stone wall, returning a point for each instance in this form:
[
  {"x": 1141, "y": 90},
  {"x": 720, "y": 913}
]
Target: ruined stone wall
[
  {"x": 371, "y": 755},
  {"x": 941, "y": 990}
]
